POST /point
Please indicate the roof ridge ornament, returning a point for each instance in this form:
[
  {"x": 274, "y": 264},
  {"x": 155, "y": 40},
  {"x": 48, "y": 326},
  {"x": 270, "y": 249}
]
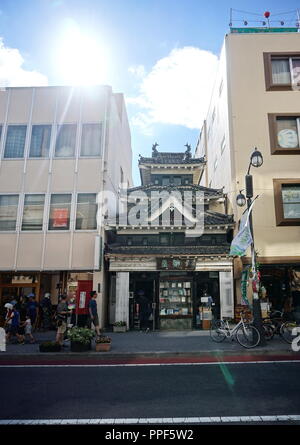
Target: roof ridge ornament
[
  {"x": 188, "y": 153},
  {"x": 154, "y": 149}
]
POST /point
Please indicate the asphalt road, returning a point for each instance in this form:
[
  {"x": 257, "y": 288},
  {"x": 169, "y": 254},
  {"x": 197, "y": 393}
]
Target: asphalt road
[{"x": 150, "y": 391}]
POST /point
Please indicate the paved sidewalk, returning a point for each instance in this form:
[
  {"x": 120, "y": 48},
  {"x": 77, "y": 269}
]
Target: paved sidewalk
[{"x": 159, "y": 343}]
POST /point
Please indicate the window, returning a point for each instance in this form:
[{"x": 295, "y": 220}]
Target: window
[
  {"x": 86, "y": 213},
  {"x": 60, "y": 207},
  {"x": 8, "y": 211},
  {"x": 33, "y": 212},
  {"x": 91, "y": 140},
  {"x": 121, "y": 175},
  {"x": 177, "y": 180},
  {"x": 15, "y": 141},
  {"x": 282, "y": 71},
  {"x": 166, "y": 181},
  {"x": 287, "y": 201},
  {"x": 65, "y": 141},
  {"x": 164, "y": 240},
  {"x": 0, "y": 131},
  {"x": 284, "y": 133},
  {"x": 40, "y": 141}
]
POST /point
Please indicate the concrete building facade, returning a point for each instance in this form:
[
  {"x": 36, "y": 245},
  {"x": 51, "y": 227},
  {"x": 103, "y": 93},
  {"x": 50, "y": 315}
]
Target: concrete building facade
[
  {"x": 256, "y": 103},
  {"x": 60, "y": 147}
]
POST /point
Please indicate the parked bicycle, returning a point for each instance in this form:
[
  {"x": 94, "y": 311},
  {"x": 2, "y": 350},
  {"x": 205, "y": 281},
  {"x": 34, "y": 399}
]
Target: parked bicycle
[
  {"x": 244, "y": 332},
  {"x": 280, "y": 324}
]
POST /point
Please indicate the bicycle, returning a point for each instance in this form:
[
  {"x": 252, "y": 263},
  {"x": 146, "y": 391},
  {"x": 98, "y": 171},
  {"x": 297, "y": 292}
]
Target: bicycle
[
  {"x": 277, "y": 323},
  {"x": 245, "y": 333},
  {"x": 286, "y": 331},
  {"x": 272, "y": 324}
]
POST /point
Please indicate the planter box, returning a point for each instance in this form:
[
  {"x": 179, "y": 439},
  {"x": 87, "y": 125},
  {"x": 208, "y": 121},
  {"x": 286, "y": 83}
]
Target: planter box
[
  {"x": 80, "y": 347},
  {"x": 48, "y": 348},
  {"x": 119, "y": 328},
  {"x": 103, "y": 347}
]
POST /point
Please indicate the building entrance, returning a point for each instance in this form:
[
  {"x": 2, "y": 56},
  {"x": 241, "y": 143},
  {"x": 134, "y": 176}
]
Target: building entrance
[{"x": 143, "y": 301}]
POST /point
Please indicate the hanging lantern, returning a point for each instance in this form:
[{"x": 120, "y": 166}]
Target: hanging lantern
[{"x": 267, "y": 14}]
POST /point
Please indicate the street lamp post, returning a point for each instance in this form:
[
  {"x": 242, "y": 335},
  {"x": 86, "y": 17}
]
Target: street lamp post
[{"x": 256, "y": 160}]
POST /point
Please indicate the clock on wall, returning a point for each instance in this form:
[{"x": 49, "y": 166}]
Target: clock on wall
[{"x": 288, "y": 138}]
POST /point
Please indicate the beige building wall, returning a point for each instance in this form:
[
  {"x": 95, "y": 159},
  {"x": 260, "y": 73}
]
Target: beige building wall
[
  {"x": 70, "y": 249},
  {"x": 247, "y": 107}
]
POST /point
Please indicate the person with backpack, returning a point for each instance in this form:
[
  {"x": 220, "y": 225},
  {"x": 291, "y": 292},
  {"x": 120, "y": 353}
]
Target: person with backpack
[{"x": 62, "y": 314}]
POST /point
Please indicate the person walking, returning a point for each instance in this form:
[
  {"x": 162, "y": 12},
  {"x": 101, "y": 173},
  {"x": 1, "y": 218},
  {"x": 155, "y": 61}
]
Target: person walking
[
  {"x": 28, "y": 329},
  {"x": 62, "y": 315},
  {"x": 93, "y": 312},
  {"x": 32, "y": 307},
  {"x": 46, "y": 311},
  {"x": 14, "y": 326}
]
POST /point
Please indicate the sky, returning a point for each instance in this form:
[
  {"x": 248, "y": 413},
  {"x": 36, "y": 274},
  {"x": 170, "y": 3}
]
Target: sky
[{"x": 161, "y": 54}]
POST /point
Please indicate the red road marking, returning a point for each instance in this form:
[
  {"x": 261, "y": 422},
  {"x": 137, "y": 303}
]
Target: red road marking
[{"x": 150, "y": 360}]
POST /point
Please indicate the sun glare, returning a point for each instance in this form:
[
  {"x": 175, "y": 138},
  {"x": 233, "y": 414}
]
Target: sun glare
[{"x": 81, "y": 58}]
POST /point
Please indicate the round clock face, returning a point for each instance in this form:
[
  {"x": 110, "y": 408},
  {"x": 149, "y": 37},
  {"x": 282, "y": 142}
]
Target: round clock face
[{"x": 288, "y": 138}]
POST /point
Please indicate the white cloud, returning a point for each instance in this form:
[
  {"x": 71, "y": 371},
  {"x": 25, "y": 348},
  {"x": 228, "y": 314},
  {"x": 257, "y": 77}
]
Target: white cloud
[
  {"x": 138, "y": 71},
  {"x": 177, "y": 90},
  {"x": 11, "y": 72}
]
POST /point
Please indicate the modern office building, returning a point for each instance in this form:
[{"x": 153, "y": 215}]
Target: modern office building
[
  {"x": 168, "y": 251},
  {"x": 60, "y": 148},
  {"x": 256, "y": 103}
]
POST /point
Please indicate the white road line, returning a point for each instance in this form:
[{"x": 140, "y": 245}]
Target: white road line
[
  {"x": 152, "y": 421},
  {"x": 132, "y": 365}
]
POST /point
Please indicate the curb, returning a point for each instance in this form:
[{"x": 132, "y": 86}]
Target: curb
[{"x": 202, "y": 356}]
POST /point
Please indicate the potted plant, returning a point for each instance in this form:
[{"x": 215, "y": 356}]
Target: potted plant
[
  {"x": 80, "y": 339},
  {"x": 119, "y": 326},
  {"x": 50, "y": 346},
  {"x": 103, "y": 343}
]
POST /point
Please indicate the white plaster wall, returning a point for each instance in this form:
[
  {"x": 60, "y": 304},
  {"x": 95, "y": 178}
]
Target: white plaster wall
[{"x": 122, "y": 297}]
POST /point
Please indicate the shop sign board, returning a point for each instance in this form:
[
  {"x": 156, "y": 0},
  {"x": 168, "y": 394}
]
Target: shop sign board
[
  {"x": 82, "y": 299},
  {"x": 176, "y": 263}
]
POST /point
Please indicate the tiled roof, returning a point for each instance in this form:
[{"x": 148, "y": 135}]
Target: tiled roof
[
  {"x": 171, "y": 158},
  {"x": 170, "y": 250},
  {"x": 215, "y": 218},
  {"x": 210, "y": 219},
  {"x": 182, "y": 188}
]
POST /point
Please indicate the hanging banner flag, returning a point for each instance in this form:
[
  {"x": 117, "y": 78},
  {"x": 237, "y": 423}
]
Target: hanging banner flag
[{"x": 243, "y": 239}]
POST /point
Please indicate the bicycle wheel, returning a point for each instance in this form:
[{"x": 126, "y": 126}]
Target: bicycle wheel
[
  {"x": 286, "y": 331},
  {"x": 269, "y": 330},
  {"x": 248, "y": 336},
  {"x": 217, "y": 333}
]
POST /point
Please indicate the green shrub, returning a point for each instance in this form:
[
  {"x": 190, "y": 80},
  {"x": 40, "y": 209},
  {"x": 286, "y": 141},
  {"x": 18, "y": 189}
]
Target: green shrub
[{"x": 80, "y": 335}]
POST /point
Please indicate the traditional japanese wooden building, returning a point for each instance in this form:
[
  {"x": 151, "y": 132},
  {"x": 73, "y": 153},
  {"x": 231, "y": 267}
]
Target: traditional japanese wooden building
[{"x": 170, "y": 246}]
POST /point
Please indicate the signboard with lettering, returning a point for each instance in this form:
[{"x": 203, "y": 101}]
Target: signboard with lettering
[{"x": 176, "y": 263}]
